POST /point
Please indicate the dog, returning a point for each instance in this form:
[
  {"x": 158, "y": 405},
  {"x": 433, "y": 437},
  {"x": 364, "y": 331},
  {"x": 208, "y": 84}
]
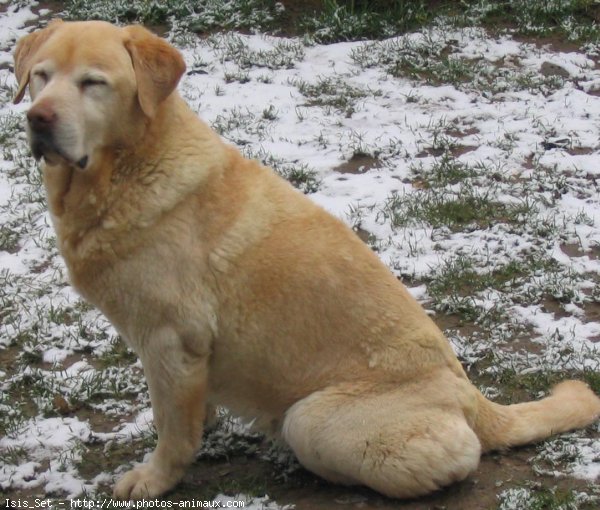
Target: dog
[{"x": 209, "y": 264}]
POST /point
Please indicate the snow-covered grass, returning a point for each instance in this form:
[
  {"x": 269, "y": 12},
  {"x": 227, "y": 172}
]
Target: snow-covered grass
[
  {"x": 534, "y": 499},
  {"x": 467, "y": 158}
]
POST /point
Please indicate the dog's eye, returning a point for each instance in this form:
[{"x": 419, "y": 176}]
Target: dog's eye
[
  {"x": 92, "y": 82},
  {"x": 42, "y": 75}
]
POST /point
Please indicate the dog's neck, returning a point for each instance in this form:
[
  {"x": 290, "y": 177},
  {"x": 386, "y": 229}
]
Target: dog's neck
[{"x": 104, "y": 201}]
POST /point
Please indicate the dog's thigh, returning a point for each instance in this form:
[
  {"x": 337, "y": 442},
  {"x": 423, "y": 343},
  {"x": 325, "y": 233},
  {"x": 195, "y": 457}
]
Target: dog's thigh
[{"x": 382, "y": 441}]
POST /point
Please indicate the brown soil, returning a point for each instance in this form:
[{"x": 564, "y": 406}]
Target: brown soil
[
  {"x": 430, "y": 152},
  {"x": 553, "y": 43},
  {"x": 528, "y": 163},
  {"x": 358, "y": 164},
  {"x": 457, "y": 133},
  {"x": 592, "y": 312},
  {"x": 496, "y": 473},
  {"x": 363, "y": 234},
  {"x": 554, "y": 307},
  {"x": 521, "y": 343},
  {"x": 455, "y": 323},
  {"x": 53, "y": 8},
  {"x": 580, "y": 151},
  {"x": 574, "y": 250},
  {"x": 455, "y": 151},
  {"x": 550, "y": 69},
  {"x": 459, "y": 150}
]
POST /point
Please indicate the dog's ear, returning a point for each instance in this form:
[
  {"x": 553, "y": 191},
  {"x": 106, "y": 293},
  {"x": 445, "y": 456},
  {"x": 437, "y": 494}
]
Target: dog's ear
[
  {"x": 24, "y": 53},
  {"x": 158, "y": 67}
]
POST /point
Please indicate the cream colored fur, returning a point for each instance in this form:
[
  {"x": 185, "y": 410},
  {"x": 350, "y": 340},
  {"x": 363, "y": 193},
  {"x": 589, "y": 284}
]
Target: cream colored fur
[{"x": 236, "y": 290}]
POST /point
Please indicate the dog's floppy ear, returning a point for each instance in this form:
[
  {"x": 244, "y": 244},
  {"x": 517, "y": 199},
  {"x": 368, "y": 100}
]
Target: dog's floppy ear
[
  {"x": 158, "y": 67},
  {"x": 24, "y": 52}
]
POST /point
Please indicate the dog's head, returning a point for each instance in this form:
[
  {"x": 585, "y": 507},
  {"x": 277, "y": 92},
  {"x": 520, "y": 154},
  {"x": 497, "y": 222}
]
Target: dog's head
[{"x": 93, "y": 86}]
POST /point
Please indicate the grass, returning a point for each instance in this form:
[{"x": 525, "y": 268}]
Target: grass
[
  {"x": 300, "y": 175},
  {"x": 236, "y": 122},
  {"x": 524, "y": 498},
  {"x": 118, "y": 355},
  {"x": 9, "y": 239},
  {"x": 356, "y": 20},
  {"x": 445, "y": 170},
  {"x": 532, "y": 385},
  {"x": 10, "y": 126},
  {"x": 435, "y": 56},
  {"x": 284, "y": 54},
  {"x": 467, "y": 208},
  {"x": 570, "y": 19},
  {"x": 350, "y": 20},
  {"x": 196, "y": 16},
  {"x": 463, "y": 286},
  {"x": 333, "y": 93},
  {"x": 462, "y": 274}
]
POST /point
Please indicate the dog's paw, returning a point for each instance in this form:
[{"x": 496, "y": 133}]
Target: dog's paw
[{"x": 143, "y": 482}]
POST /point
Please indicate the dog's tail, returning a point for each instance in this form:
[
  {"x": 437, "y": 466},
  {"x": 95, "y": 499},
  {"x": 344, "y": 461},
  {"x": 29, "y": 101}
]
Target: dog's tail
[{"x": 571, "y": 405}]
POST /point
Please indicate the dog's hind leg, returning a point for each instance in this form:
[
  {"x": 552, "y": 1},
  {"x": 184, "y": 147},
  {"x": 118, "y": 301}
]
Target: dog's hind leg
[
  {"x": 177, "y": 384},
  {"x": 388, "y": 441}
]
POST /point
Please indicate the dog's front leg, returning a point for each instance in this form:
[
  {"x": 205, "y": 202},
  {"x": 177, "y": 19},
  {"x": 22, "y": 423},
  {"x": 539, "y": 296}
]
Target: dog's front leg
[{"x": 177, "y": 383}]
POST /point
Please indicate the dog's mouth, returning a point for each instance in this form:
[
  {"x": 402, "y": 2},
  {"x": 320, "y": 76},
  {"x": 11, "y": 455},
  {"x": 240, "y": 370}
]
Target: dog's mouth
[{"x": 44, "y": 146}]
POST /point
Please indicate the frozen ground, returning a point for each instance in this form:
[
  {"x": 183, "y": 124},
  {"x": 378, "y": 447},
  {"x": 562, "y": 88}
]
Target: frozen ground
[{"x": 470, "y": 163}]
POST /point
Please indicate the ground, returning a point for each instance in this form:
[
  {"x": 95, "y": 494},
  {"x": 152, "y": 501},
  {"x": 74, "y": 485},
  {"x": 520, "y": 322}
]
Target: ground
[{"x": 459, "y": 141}]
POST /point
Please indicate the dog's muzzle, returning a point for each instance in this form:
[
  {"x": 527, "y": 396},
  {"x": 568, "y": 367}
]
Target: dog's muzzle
[{"x": 42, "y": 120}]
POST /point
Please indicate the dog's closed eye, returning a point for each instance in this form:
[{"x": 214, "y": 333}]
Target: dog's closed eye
[
  {"x": 89, "y": 82},
  {"x": 41, "y": 74}
]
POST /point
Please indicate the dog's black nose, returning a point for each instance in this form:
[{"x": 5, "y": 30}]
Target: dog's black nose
[{"x": 41, "y": 117}]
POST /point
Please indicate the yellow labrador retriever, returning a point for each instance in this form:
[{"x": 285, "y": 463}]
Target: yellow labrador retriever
[{"x": 235, "y": 289}]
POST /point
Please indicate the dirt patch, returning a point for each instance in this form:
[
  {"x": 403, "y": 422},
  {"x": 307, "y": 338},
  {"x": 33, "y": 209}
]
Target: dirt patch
[
  {"x": 456, "y": 151},
  {"x": 528, "y": 163},
  {"x": 574, "y": 250},
  {"x": 524, "y": 343},
  {"x": 458, "y": 133},
  {"x": 593, "y": 92},
  {"x": 459, "y": 150},
  {"x": 554, "y": 307},
  {"x": 553, "y": 43},
  {"x": 52, "y": 6},
  {"x": 45, "y": 10},
  {"x": 69, "y": 360},
  {"x": 364, "y": 235},
  {"x": 358, "y": 164},
  {"x": 435, "y": 152},
  {"x": 253, "y": 475},
  {"x": 592, "y": 314},
  {"x": 409, "y": 281},
  {"x": 551, "y": 69},
  {"x": 418, "y": 183},
  {"x": 8, "y": 359},
  {"x": 580, "y": 151},
  {"x": 455, "y": 323},
  {"x": 40, "y": 267},
  {"x": 100, "y": 421}
]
